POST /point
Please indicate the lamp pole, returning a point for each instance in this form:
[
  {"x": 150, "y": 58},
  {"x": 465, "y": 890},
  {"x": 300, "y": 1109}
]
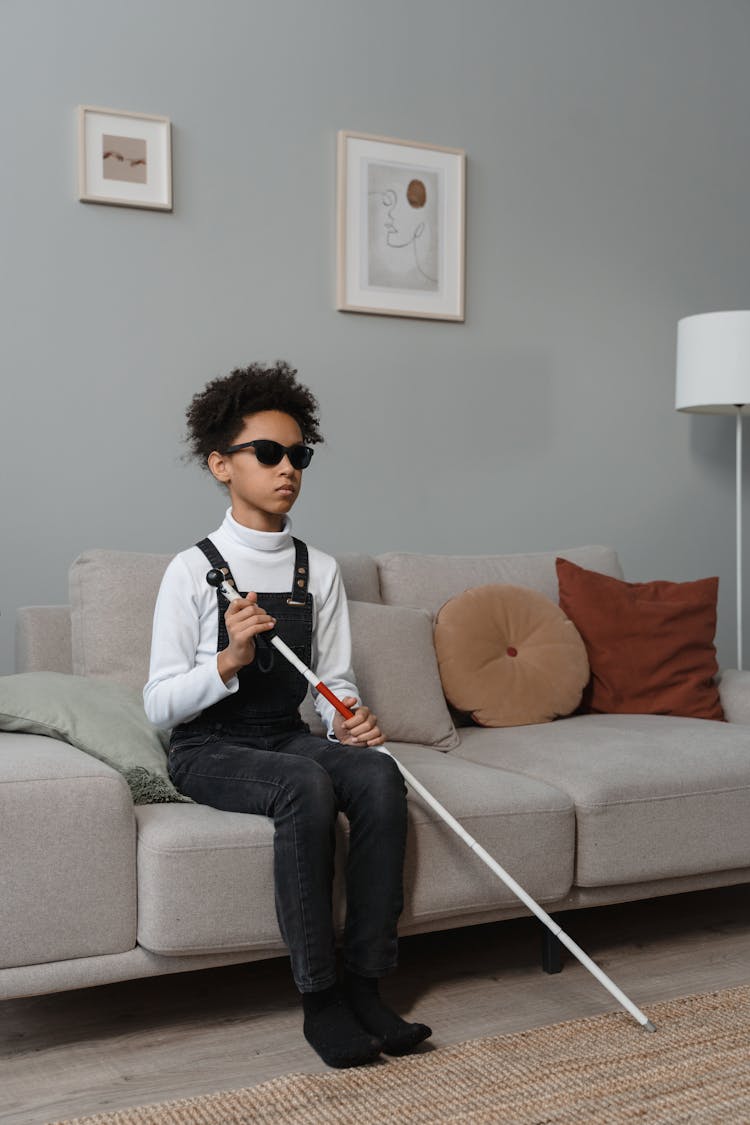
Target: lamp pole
[{"x": 738, "y": 491}]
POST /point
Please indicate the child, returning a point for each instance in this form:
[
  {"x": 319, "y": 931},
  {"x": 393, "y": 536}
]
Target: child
[{"x": 238, "y": 742}]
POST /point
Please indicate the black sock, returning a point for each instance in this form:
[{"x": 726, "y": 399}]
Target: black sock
[
  {"x": 398, "y": 1036},
  {"x": 332, "y": 1030}
]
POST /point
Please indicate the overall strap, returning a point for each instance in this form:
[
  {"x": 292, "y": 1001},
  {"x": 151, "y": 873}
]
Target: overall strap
[
  {"x": 216, "y": 559},
  {"x": 301, "y": 581}
]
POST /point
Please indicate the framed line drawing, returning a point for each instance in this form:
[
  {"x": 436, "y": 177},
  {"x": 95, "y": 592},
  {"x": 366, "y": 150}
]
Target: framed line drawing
[
  {"x": 124, "y": 159},
  {"x": 401, "y": 227}
]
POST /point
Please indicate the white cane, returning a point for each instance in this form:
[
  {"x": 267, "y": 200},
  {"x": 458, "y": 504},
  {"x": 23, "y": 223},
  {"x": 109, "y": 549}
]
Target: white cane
[{"x": 216, "y": 578}]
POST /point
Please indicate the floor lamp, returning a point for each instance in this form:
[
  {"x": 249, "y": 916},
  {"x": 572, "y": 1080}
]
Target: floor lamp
[{"x": 713, "y": 377}]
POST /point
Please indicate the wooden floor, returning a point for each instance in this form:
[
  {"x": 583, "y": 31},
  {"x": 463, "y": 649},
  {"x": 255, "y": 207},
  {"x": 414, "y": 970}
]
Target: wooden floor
[{"x": 150, "y": 1040}]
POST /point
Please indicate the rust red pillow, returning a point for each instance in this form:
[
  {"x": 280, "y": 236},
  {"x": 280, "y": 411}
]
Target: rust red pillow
[{"x": 650, "y": 644}]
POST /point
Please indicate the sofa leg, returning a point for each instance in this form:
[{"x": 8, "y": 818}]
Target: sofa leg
[{"x": 551, "y": 949}]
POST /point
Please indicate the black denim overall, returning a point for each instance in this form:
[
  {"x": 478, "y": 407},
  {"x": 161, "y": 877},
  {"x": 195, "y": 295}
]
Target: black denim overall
[{"x": 253, "y": 753}]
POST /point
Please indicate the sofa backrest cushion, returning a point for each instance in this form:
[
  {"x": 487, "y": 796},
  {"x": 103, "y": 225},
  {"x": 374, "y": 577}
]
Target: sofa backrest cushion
[
  {"x": 112, "y": 598},
  {"x": 428, "y": 581},
  {"x": 360, "y": 577},
  {"x": 396, "y": 670}
]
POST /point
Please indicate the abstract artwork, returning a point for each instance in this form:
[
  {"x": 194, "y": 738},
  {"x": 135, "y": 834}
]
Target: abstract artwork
[{"x": 400, "y": 228}]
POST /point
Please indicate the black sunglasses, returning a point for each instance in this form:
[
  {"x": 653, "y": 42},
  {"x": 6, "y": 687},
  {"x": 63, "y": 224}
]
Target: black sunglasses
[{"x": 272, "y": 452}]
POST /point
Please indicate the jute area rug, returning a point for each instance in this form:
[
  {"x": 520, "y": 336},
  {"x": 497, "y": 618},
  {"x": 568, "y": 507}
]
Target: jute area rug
[{"x": 603, "y": 1070}]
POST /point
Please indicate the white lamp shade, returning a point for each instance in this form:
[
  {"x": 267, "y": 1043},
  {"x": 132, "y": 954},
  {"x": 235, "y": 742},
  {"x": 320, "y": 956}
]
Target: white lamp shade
[{"x": 713, "y": 363}]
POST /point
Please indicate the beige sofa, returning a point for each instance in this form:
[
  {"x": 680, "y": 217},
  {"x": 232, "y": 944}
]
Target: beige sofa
[{"x": 584, "y": 811}]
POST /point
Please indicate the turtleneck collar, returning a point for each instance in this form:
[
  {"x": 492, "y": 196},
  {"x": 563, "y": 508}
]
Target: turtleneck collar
[{"x": 257, "y": 540}]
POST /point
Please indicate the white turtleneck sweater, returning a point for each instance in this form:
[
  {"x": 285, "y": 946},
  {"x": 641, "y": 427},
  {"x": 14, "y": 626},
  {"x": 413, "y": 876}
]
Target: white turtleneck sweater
[{"x": 183, "y": 677}]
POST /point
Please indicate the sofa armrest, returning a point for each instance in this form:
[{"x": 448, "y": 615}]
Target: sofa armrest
[
  {"x": 67, "y": 854},
  {"x": 734, "y": 690},
  {"x": 43, "y": 639}
]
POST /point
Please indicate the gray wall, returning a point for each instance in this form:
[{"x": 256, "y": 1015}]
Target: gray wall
[{"x": 608, "y": 169}]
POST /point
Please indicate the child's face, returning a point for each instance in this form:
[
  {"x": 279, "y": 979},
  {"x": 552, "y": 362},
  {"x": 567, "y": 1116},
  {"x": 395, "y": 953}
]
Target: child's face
[{"x": 261, "y": 494}]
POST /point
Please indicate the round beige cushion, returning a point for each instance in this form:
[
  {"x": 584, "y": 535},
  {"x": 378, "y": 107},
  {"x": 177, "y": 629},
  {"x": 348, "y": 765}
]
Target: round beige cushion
[{"x": 509, "y": 656}]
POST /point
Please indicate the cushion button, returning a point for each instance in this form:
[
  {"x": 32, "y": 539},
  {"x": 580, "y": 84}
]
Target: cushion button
[{"x": 512, "y": 651}]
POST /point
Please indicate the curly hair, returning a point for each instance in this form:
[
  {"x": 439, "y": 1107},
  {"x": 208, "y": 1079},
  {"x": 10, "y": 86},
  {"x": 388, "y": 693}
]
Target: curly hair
[{"x": 216, "y": 414}]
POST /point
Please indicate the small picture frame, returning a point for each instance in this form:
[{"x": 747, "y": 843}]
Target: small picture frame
[
  {"x": 124, "y": 159},
  {"x": 401, "y": 227}
]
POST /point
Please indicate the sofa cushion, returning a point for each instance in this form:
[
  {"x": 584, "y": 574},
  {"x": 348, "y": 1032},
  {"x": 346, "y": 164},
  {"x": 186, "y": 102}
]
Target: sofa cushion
[
  {"x": 67, "y": 854},
  {"x": 526, "y": 824},
  {"x": 205, "y": 880},
  {"x": 396, "y": 671},
  {"x": 105, "y": 720},
  {"x": 205, "y": 877},
  {"x": 655, "y": 796},
  {"x": 428, "y": 581},
  {"x": 509, "y": 656},
  {"x": 650, "y": 644}
]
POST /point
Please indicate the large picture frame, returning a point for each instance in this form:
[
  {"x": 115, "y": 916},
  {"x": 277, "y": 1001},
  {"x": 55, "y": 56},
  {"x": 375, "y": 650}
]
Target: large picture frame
[
  {"x": 401, "y": 227},
  {"x": 124, "y": 159}
]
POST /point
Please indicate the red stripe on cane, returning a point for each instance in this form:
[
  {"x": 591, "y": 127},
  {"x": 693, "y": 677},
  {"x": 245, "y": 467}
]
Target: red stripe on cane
[{"x": 334, "y": 699}]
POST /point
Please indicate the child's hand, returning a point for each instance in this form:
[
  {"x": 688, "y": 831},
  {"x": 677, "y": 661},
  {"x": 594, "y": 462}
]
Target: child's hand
[
  {"x": 244, "y": 620},
  {"x": 361, "y": 730}
]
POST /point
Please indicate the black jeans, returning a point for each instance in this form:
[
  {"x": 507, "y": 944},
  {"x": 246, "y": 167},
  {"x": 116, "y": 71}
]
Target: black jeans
[{"x": 302, "y": 782}]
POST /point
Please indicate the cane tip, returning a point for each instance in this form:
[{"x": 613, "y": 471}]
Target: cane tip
[
  {"x": 214, "y": 578},
  {"x": 648, "y": 1026}
]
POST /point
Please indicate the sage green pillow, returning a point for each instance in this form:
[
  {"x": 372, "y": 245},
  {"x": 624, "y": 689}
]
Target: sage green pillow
[{"x": 104, "y": 719}]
